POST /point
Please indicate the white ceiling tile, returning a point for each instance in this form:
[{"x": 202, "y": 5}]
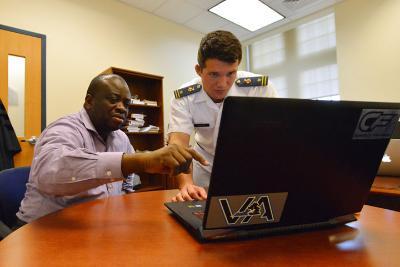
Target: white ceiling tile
[
  {"x": 178, "y": 11},
  {"x": 206, "y": 22},
  {"x": 296, "y": 5},
  {"x": 244, "y": 37},
  {"x": 265, "y": 29},
  {"x": 205, "y": 4},
  {"x": 194, "y": 13},
  {"x": 281, "y": 9},
  {"x": 235, "y": 29},
  {"x": 148, "y": 5}
]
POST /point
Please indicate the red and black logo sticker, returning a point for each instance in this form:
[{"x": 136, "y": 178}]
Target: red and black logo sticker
[{"x": 253, "y": 206}]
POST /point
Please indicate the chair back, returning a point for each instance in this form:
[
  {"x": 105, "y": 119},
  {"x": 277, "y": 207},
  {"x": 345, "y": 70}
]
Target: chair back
[{"x": 12, "y": 190}]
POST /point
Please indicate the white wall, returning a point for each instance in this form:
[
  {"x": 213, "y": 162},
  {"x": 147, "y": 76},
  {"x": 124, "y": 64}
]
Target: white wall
[
  {"x": 368, "y": 49},
  {"x": 85, "y": 37}
]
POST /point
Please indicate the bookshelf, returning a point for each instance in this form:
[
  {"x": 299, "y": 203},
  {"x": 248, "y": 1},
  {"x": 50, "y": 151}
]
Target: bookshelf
[{"x": 145, "y": 87}]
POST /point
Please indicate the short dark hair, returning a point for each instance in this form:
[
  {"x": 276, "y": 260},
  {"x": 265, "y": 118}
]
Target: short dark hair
[
  {"x": 221, "y": 45},
  {"x": 99, "y": 80}
]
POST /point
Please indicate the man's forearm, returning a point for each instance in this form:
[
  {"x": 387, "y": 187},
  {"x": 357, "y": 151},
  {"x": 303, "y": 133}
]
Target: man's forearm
[{"x": 132, "y": 163}]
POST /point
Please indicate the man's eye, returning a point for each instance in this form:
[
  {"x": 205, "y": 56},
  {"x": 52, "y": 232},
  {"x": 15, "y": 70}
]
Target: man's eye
[{"x": 113, "y": 99}]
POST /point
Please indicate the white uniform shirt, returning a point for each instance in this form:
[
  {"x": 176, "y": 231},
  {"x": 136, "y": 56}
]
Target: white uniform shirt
[{"x": 199, "y": 114}]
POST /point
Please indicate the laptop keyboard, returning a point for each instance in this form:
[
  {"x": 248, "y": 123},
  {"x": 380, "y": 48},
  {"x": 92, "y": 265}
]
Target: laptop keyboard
[{"x": 199, "y": 214}]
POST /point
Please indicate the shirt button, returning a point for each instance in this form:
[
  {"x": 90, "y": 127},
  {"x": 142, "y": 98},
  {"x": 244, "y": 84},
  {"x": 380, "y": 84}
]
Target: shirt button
[
  {"x": 108, "y": 173},
  {"x": 73, "y": 178}
]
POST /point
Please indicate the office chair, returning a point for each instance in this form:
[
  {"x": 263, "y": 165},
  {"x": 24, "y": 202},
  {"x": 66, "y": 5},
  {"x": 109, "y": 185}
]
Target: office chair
[{"x": 12, "y": 190}]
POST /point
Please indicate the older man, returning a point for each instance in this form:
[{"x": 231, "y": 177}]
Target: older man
[{"x": 84, "y": 156}]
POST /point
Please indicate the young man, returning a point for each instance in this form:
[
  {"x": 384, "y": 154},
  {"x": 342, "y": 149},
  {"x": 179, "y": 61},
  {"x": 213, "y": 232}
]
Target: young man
[
  {"x": 198, "y": 104},
  {"x": 84, "y": 156}
]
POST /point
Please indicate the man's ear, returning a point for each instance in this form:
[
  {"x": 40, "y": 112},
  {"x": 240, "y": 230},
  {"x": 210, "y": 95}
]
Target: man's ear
[
  {"x": 89, "y": 99},
  {"x": 198, "y": 69}
]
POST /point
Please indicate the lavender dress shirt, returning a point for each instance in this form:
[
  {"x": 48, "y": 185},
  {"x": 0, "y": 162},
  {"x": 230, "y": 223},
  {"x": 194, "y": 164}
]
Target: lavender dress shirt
[{"x": 73, "y": 164}]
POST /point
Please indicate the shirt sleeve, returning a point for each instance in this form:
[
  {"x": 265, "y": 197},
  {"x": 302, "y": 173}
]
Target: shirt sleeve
[
  {"x": 264, "y": 91},
  {"x": 180, "y": 117},
  {"x": 63, "y": 165},
  {"x": 132, "y": 179},
  {"x": 271, "y": 91}
]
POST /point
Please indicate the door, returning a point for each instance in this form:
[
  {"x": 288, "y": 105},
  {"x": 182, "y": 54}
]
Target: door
[{"x": 22, "y": 91}]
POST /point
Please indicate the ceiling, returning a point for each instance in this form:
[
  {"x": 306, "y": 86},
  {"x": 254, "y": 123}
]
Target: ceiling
[{"x": 194, "y": 14}]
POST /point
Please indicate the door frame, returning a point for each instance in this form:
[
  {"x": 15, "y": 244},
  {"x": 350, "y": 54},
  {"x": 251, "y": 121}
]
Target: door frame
[{"x": 43, "y": 63}]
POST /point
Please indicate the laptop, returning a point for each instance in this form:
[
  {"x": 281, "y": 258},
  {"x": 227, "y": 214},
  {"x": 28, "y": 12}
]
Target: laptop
[
  {"x": 390, "y": 165},
  {"x": 289, "y": 164}
]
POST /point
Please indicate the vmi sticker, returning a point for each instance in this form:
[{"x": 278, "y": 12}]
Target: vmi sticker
[
  {"x": 376, "y": 123},
  {"x": 245, "y": 209}
]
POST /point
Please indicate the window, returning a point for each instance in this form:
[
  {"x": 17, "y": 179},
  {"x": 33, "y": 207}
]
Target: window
[
  {"x": 269, "y": 51},
  {"x": 316, "y": 36},
  {"x": 319, "y": 83},
  {"x": 280, "y": 85},
  {"x": 301, "y": 62}
]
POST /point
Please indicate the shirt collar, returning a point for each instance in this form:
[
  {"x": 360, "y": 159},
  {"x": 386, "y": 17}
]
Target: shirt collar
[
  {"x": 201, "y": 96},
  {"x": 86, "y": 120},
  {"x": 89, "y": 124}
]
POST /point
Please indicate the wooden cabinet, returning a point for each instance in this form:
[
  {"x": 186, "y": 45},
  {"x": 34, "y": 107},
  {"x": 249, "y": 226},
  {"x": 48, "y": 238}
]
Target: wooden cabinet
[{"x": 147, "y": 87}]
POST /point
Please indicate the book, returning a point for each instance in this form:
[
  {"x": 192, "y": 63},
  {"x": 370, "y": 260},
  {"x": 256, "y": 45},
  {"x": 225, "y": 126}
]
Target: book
[
  {"x": 137, "y": 116},
  {"x": 136, "y": 102},
  {"x": 150, "y": 102},
  {"x": 150, "y": 129}
]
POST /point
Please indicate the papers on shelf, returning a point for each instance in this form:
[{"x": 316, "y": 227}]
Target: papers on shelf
[
  {"x": 136, "y": 122},
  {"x": 132, "y": 129},
  {"x": 150, "y": 102},
  {"x": 138, "y": 116},
  {"x": 150, "y": 129},
  {"x": 135, "y": 101},
  {"x": 147, "y": 129}
]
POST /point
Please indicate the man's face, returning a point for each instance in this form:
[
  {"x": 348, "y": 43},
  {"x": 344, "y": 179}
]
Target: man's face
[
  {"x": 217, "y": 78},
  {"x": 109, "y": 106}
]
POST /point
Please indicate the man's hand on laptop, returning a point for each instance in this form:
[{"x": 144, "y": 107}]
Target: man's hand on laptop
[{"x": 190, "y": 192}]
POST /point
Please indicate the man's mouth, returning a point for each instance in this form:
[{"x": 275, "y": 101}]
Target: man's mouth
[{"x": 118, "y": 118}]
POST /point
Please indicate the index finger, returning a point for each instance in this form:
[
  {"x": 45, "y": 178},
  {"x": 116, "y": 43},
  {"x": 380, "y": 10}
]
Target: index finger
[{"x": 197, "y": 156}]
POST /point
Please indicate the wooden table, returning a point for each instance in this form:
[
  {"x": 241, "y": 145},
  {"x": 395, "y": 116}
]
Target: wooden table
[
  {"x": 385, "y": 193},
  {"x": 385, "y": 185},
  {"x": 137, "y": 230}
]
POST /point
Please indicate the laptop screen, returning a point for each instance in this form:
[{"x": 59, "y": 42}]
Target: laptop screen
[{"x": 303, "y": 161}]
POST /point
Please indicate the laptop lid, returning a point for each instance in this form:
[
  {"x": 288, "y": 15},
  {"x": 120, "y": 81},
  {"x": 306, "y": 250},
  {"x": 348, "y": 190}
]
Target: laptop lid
[
  {"x": 390, "y": 165},
  {"x": 283, "y": 162}
]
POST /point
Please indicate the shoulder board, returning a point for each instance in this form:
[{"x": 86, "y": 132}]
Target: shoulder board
[
  {"x": 187, "y": 90},
  {"x": 252, "y": 81}
]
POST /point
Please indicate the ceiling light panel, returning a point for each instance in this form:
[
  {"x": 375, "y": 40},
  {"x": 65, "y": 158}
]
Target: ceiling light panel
[{"x": 250, "y": 14}]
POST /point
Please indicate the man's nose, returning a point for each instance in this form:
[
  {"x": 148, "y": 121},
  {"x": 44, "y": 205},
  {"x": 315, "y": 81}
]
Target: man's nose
[
  {"x": 121, "y": 106},
  {"x": 222, "y": 81}
]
